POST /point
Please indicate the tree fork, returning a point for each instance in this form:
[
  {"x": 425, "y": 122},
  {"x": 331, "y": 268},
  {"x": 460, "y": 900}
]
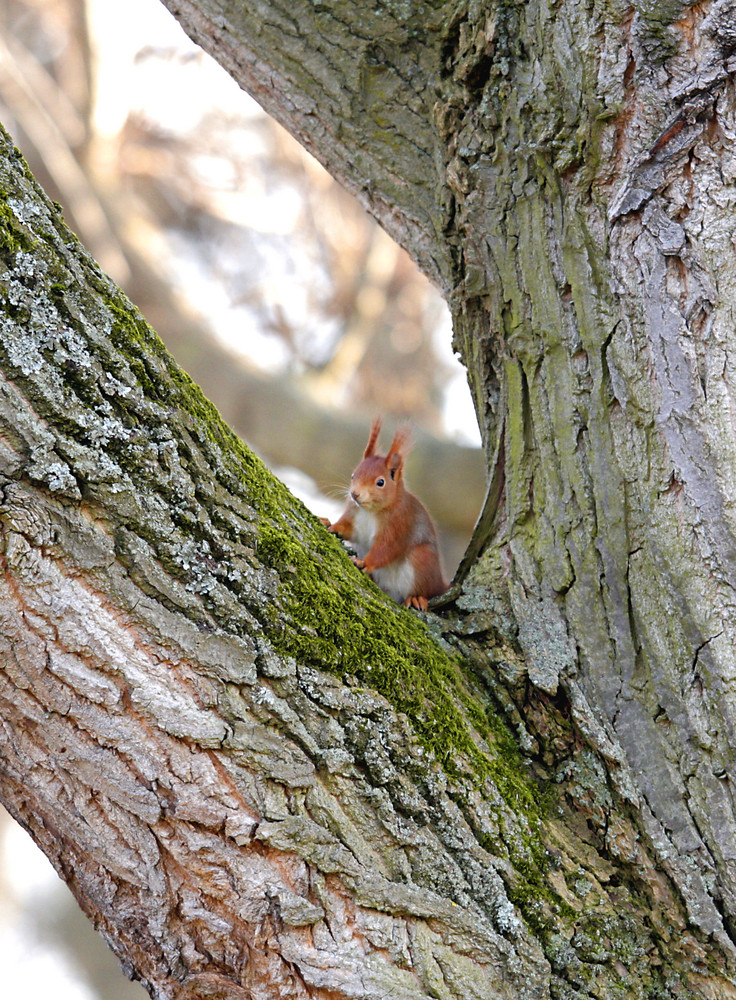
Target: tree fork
[
  {"x": 199, "y": 688},
  {"x": 213, "y": 801}
]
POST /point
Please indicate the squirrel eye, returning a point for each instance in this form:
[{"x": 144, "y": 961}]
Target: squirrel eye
[{"x": 380, "y": 482}]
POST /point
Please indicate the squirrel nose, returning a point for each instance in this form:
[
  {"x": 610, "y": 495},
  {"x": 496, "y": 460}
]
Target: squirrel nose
[{"x": 354, "y": 495}]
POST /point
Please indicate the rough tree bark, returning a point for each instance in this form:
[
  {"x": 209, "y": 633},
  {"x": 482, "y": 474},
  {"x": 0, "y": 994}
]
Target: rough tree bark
[{"x": 259, "y": 777}]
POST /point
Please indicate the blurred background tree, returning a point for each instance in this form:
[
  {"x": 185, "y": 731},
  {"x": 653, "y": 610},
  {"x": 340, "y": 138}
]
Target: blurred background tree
[{"x": 296, "y": 313}]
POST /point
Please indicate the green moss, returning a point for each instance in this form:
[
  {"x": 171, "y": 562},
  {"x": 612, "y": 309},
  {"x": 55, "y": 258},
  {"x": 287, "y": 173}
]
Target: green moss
[
  {"x": 13, "y": 236},
  {"x": 388, "y": 648},
  {"x": 658, "y": 17}
]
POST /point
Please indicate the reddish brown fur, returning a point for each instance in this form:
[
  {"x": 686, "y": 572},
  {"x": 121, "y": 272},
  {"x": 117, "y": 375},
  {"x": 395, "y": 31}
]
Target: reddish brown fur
[
  {"x": 402, "y": 530},
  {"x": 372, "y": 438}
]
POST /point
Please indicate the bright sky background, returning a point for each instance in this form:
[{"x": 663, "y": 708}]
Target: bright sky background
[
  {"x": 32, "y": 969},
  {"x": 178, "y": 100}
]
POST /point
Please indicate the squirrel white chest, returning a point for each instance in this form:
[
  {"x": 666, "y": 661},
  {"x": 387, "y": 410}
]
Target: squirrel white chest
[
  {"x": 364, "y": 531},
  {"x": 396, "y": 579}
]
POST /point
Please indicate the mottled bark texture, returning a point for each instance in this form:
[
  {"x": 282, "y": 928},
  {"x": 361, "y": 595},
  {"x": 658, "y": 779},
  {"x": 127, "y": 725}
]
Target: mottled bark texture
[{"x": 259, "y": 777}]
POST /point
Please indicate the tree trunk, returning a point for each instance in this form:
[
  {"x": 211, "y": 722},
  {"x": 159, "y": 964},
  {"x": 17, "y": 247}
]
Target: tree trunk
[{"x": 260, "y": 777}]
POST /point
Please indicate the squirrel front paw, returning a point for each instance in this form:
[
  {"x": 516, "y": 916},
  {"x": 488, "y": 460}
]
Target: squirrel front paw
[
  {"x": 360, "y": 563},
  {"x": 418, "y": 602}
]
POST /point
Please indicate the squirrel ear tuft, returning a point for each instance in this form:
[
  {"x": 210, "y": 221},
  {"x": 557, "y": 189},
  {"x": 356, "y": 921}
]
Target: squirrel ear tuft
[
  {"x": 370, "y": 448},
  {"x": 398, "y": 450}
]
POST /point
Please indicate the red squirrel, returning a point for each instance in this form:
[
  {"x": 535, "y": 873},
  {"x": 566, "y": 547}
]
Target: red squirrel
[{"x": 390, "y": 529}]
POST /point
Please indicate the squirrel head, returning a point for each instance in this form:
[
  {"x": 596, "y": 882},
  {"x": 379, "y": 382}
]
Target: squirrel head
[{"x": 378, "y": 481}]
